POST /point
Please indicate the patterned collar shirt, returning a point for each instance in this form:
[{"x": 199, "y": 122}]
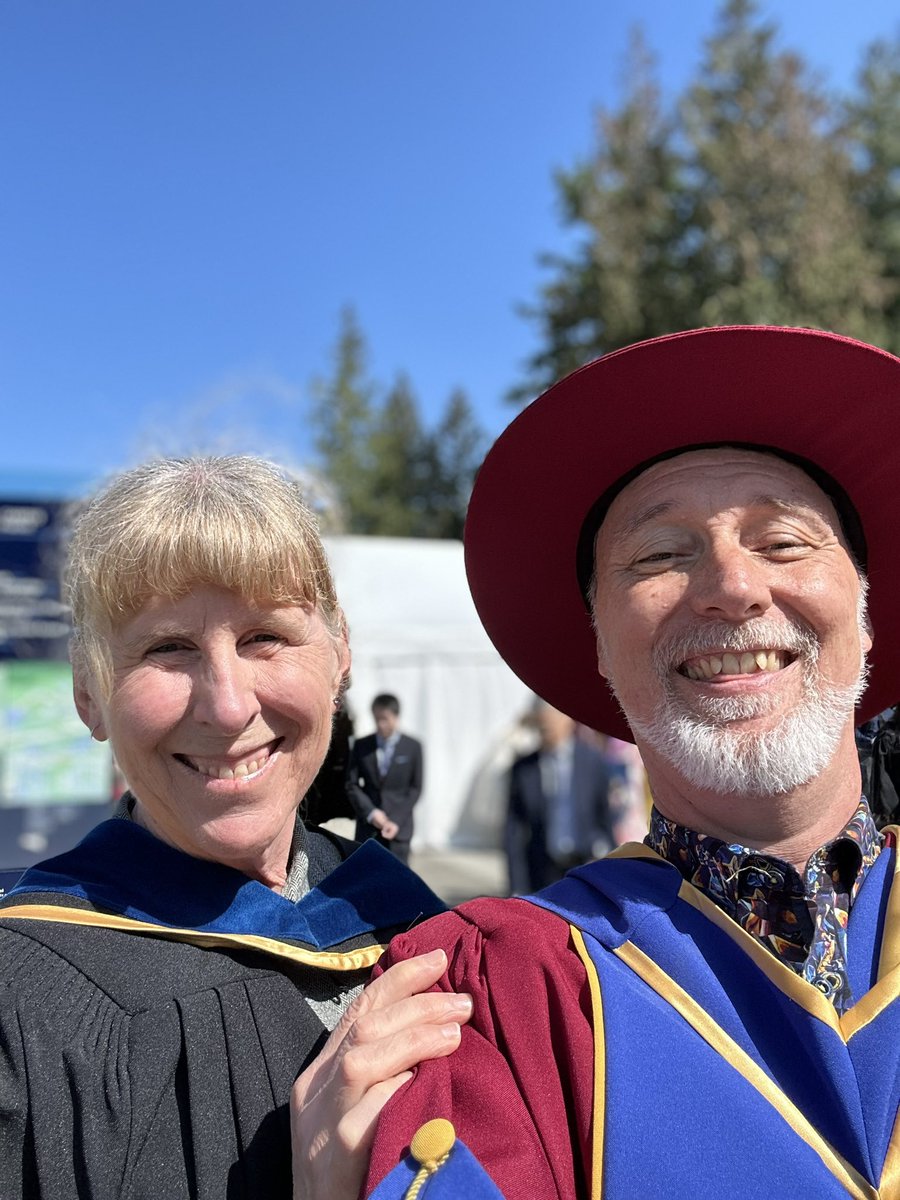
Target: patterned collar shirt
[{"x": 801, "y": 919}]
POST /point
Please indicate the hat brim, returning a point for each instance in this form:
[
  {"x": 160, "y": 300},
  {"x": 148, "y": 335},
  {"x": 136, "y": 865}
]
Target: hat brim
[{"x": 821, "y": 397}]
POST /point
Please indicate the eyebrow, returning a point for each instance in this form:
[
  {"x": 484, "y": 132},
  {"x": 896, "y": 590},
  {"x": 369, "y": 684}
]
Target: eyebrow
[
  {"x": 643, "y": 518},
  {"x": 155, "y": 633},
  {"x": 797, "y": 507},
  {"x": 761, "y": 501}
]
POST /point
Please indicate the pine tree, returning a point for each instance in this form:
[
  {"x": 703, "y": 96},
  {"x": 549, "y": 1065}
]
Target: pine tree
[
  {"x": 395, "y": 484},
  {"x": 342, "y": 419},
  {"x": 874, "y": 127},
  {"x": 779, "y": 240},
  {"x": 389, "y": 475},
  {"x": 626, "y": 279},
  {"x": 754, "y": 199},
  {"x": 452, "y": 455}
]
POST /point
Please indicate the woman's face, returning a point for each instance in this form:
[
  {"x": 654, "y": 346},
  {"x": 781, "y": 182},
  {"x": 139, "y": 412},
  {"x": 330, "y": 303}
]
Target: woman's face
[{"x": 219, "y": 718}]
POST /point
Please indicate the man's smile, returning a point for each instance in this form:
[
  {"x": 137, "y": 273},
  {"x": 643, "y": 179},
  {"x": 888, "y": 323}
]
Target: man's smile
[{"x": 729, "y": 663}]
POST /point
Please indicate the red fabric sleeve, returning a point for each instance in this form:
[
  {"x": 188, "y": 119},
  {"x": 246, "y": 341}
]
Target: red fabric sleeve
[{"x": 519, "y": 1089}]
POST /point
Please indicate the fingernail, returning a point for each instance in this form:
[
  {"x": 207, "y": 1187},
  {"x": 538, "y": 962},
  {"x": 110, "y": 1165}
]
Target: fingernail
[
  {"x": 433, "y": 957},
  {"x": 451, "y": 1031},
  {"x": 462, "y": 1003}
]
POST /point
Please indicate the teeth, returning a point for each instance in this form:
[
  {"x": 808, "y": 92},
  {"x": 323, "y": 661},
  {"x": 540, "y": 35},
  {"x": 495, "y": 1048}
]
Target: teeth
[
  {"x": 241, "y": 771},
  {"x": 747, "y": 663}
]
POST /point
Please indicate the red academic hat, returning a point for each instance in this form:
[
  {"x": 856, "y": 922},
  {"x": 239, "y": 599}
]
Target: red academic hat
[{"x": 830, "y": 403}]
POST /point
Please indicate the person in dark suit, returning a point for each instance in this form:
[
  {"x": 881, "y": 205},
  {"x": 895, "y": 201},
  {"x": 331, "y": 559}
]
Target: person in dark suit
[
  {"x": 384, "y": 779},
  {"x": 558, "y": 815}
]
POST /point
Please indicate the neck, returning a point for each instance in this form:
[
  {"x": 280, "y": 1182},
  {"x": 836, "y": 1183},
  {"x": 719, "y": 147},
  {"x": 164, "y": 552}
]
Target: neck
[
  {"x": 790, "y": 825},
  {"x": 268, "y": 863}
]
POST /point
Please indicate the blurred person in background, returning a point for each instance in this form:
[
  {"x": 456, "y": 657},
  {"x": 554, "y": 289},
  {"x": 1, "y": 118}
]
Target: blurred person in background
[
  {"x": 165, "y": 981},
  {"x": 558, "y": 814},
  {"x": 384, "y": 779}
]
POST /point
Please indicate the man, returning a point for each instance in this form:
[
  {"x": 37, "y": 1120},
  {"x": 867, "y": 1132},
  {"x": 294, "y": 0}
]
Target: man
[
  {"x": 558, "y": 813},
  {"x": 670, "y": 545},
  {"x": 384, "y": 779}
]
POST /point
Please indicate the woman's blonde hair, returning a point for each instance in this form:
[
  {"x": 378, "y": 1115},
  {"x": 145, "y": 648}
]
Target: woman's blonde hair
[{"x": 234, "y": 522}]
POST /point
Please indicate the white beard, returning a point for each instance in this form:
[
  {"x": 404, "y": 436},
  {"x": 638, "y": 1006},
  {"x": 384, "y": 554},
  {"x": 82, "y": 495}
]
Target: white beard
[{"x": 709, "y": 754}]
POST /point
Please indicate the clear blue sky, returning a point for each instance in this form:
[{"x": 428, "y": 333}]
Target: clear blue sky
[{"x": 191, "y": 190}]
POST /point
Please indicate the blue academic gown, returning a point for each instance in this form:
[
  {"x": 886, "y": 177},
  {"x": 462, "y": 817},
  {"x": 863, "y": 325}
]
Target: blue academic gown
[{"x": 717, "y": 1069}]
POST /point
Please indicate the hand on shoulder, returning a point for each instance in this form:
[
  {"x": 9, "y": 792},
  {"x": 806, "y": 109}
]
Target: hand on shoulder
[{"x": 335, "y": 1103}]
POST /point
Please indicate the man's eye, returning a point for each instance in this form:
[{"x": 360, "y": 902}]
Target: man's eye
[{"x": 658, "y": 556}]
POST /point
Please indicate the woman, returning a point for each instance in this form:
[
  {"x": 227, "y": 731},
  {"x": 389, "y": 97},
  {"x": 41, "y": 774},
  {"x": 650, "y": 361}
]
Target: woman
[{"x": 167, "y": 979}]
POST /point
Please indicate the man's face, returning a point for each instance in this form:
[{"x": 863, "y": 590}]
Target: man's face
[
  {"x": 727, "y": 603},
  {"x": 386, "y": 721}
]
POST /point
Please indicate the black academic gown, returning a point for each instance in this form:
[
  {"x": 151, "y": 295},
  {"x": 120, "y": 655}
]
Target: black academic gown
[{"x": 150, "y": 1053}]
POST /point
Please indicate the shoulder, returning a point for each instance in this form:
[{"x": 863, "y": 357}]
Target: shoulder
[
  {"x": 134, "y": 973},
  {"x": 409, "y": 743},
  {"x": 590, "y": 757},
  {"x": 494, "y": 944},
  {"x": 328, "y": 847},
  {"x": 526, "y": 762},
  {"x": 489, "y": 921},
  {"x": 364, "y": 745}
]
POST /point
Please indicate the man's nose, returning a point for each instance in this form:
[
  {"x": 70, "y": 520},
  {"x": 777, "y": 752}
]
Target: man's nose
[
  {"x": 730, "y": 583},
  {"x": 225, "y": 693}
]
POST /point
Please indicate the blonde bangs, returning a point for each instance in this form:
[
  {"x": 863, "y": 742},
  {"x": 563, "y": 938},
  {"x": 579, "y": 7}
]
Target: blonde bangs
[
  {"x": 165, "y": 528},
  {"x": 233, "y": 553}
]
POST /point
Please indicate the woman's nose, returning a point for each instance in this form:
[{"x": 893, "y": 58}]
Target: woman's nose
[{"x": 225, "y": 694}]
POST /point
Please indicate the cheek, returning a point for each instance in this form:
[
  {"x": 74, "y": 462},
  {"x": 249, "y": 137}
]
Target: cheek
[
  {"x": 303, "y": 696},
  {"x": 142, "y": 709},
  {"x": 630, "y": 620},
  {"x": 831, "y": 609}
]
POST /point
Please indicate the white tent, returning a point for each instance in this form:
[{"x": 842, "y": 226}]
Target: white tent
[{"x": 414, "y": 631}]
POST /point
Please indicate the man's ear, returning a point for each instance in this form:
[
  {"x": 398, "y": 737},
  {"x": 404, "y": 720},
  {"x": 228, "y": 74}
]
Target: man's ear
[
  {"x": 602, "y": 666},
  {"x": 868, "y": 636},
  {"x": 88, "y": 708}
]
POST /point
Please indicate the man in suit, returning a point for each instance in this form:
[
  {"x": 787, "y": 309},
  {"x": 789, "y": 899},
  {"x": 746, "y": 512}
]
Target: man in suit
[
  {"x": 384, "y": 779},
  {"x": 558, "y": 814}
]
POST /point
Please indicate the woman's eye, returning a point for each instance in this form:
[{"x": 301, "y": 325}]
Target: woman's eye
[{"x": 166, "y": 648}]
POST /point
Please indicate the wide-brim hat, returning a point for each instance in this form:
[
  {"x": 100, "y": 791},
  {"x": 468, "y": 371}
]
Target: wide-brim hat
[{"x": 831, "y": 401}]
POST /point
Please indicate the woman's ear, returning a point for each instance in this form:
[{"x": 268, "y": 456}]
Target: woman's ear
[
  {"x": 88, "y": 708},
  {"x": 341, "y": 680}
]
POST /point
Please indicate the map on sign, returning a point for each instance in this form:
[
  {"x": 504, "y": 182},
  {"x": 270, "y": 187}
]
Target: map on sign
[{"x": 46, "y": 754}]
